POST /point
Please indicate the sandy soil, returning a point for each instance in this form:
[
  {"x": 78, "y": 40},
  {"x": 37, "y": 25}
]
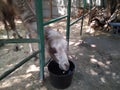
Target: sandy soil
[{"x": 96, "y": 59}]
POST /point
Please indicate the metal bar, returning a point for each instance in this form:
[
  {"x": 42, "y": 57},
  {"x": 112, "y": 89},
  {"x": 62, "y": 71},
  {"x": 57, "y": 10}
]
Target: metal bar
[
  {"x": 68, "y": 21},
  {"x": 85, "y": 3},
  {"x": 90, "y": 7},
  {"x": 50, "y": 1},
  {"x": 83, "y": 18},
  {"x": 81, "y": 26},
  {"x": 54, "y": 20},
  {"x": 19, "y": 40},
  {"x": 40, "y": 31},
  {"x": 6, "y": 73},
  {"x": 48, "y": 61},
  {"x": 78, "y": 19}
]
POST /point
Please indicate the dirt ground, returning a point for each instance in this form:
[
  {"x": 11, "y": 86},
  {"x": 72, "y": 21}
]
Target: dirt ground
[{"x": 96, "y": 58}]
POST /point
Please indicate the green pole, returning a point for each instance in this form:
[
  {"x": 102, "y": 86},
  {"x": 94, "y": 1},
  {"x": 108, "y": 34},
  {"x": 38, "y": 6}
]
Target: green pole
[
  {"x": 90, "y": 7},
  {"x": 91, "y": 4},
  {"x": 19, "y": 40},
  {"x": 6, "y": 73},
  {"x": 68, "y": 21},
  {"x": 54, "y": 20},
  {"x": 84, "y": 1},
  {"x": 40, "y": 30}
]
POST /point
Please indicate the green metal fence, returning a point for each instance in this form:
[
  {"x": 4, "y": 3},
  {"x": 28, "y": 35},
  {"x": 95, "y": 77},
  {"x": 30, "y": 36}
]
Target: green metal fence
[{"x": 40, "y": 39}]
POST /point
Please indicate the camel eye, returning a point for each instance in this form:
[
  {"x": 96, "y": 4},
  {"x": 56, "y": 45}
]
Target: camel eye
[{"x": 52, "y": 50}]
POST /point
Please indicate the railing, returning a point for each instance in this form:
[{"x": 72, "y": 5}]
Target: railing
[{"x": 40, "y": 31}]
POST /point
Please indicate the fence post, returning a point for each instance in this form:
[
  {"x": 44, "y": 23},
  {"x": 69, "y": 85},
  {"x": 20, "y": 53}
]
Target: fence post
[
  {"x": 40, "y": 31},
  {"x": 68, "y": 21}
]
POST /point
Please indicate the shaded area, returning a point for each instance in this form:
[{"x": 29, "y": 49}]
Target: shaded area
[{"x": 96, "y": 58}]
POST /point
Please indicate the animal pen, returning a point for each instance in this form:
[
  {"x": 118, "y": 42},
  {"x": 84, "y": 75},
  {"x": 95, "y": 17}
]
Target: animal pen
[{"x": 40, "y": 39}]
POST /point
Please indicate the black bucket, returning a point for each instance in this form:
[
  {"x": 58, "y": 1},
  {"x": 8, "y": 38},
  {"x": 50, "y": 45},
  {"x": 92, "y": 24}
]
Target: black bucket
[{"x": 59, "y": 78}]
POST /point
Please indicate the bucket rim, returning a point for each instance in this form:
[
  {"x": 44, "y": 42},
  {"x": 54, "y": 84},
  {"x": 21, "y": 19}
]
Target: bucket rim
[{"x": 64, "y": 74}]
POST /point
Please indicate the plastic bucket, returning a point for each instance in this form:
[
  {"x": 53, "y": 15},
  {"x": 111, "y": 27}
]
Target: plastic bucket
[{"x": 59, "y": 78}]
